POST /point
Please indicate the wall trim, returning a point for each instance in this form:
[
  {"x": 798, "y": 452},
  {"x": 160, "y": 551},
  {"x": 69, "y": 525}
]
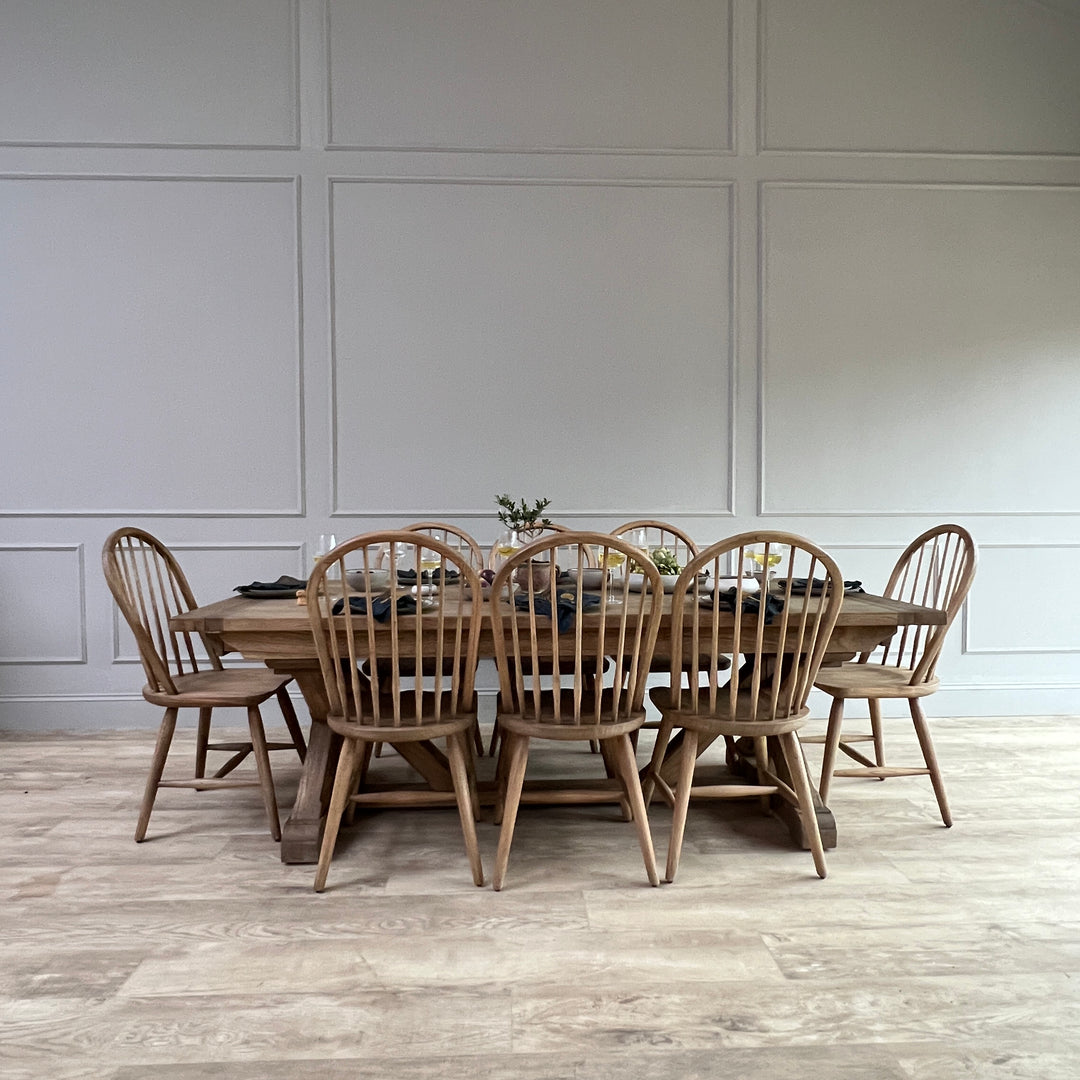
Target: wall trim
[
  {"x": 293, "y": 144},
  {"x": 727, "y": 151},
  {"x": 763, "y": 510},
  {"x": 337, "y": 511},
  {"x": 300, "y": 476},
  {"x": 765, "y": 149},
  {"x": 81, "y": 657}
]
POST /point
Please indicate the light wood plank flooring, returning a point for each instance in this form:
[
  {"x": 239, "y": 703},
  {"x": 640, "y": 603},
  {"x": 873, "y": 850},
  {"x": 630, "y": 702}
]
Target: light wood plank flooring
[{"x": 927, "y": 953}]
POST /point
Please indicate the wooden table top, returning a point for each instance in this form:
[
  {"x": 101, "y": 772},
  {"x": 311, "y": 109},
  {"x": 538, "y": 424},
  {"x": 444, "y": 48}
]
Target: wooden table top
[{"x": 264, "y": 629}]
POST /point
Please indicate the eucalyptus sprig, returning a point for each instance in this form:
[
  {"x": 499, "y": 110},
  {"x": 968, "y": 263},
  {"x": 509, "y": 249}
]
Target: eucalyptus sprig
[{"x": 521, "y": 516}]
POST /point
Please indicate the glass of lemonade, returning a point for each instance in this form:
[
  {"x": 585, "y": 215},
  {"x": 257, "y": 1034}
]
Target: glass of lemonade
[
  {"x": 506, "y": 544},
  {"x": 429, "y": 559}
]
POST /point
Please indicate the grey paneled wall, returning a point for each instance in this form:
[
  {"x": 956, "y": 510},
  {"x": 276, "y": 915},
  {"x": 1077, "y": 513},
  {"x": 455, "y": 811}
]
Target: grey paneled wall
[{"x": 278, "y": 268}]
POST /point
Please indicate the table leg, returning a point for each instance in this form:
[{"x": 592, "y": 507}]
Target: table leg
[{"x": 301, "y": 833}]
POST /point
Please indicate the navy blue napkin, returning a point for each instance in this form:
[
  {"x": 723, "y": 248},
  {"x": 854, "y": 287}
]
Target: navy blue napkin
[
  {"x": 799, "y": 586},
  {"x": 724, "y": 599},
  {"x": 408, "y": 577},
  {"x": 380, "y": 606},
  {"x": 284, "y": 588},
  {"x": 566, "y": 603}
]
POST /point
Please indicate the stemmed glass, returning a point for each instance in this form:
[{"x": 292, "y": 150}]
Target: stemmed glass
[
  {"x": 506, "y": 544},
  {"x": 429, "y": 560},
  {"x": 611, "y": 564},
  {"x": 757, "y": 557},
  {"x": 326, "y": 543}
]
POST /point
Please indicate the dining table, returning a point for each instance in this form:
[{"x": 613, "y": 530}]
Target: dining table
[{"x": 277, "y": 632}]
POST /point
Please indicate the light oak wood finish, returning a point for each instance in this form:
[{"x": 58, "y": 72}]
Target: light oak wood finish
[
  {"x": 150, "y": 588},
  {"x": 278, "y": 633},
  {"x": 660, "y": 534},
  {"x": 764, "y": 700},
  {"x": 681, "y": 544},
  {"x": 560, "y": 556},
  {"x": 927, "y": 954},
  {"x": 936, "y": 570},
  {"x": 551, "y": 677},
  {"x": 412, "y": 684}
]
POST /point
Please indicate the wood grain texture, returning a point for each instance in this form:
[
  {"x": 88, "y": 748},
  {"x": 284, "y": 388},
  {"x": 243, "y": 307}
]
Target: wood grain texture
[{"x": 927, "y": 954}]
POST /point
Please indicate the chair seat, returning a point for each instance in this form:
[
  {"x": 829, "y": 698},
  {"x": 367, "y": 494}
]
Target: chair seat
[
  {"x": 722, "y": 721},
  {"x": 232, "y": 687},
  {"x": 411, "y": 728},
  {"x": 547, "y": 725},
  {"x": 872, "y": 681}
]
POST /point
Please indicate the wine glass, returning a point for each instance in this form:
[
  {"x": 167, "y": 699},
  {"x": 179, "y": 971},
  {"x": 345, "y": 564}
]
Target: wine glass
[
  {"x": 639, "y": 538},
  {"x": 429, "y": 559},
  {"x": 611, "y": 563},
  {"x": 325, "y": 544},
  {"x": 506, "y": 544},
  {"x": 759, "y": 560}
]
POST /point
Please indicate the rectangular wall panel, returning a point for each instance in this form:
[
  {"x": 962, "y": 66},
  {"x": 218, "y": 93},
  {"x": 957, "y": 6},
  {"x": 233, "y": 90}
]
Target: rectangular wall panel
[
  {"x": 559, "y": 340},
  {"x": 918, "y": 349},
  {"x": 150, "y": 335},
  {"x": 517, "y": 75},
  {"x": 44, "y": 620},
  {"x": 1008, "y": 614},
  {"x": 937, "y": 76},
  {"x": 148, "y": 72}
]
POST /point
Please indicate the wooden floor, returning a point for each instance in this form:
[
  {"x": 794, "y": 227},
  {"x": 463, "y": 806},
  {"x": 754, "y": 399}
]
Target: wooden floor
[{"x": 927, "y": 953}]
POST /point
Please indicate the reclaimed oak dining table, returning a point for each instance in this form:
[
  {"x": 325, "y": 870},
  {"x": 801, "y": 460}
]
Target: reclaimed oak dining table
[{"x": 277, "y": 633}]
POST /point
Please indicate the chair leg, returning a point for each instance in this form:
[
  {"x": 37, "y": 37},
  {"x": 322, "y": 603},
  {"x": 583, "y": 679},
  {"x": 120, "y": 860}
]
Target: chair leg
[
  {"x": 517, "y": 751},
  {"x": 687, "y": 761},
  {"x": 623, "y": 757},
  {"x": 926, "y": 744},
  {"x": 796, "y": 764},
  {"x": 832, "y": 743},
  {"x": 878, "y": 732},
  {"x": 455, "y": 750},
  {"x": 613, "y": 769},
  {"x": 342, "y": 789},
  {"x": 663, "y": 737},
  {"x": 202, "y": 738},
  {"x": 363, "y": 759},
  {"x": 262, "y": 764},
  {"x": 495, "y": 733},
  {"x": 478, "y": 739},
  {"x": 763, "y": 766},
  {"x": 157, "y": 767},
  {"x": 292, "y": 723}
]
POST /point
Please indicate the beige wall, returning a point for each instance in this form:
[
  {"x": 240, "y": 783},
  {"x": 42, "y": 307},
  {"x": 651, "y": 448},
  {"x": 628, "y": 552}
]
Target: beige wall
[{"x": 272, "y": 269}]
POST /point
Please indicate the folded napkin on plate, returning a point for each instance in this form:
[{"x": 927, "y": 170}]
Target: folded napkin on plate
[
  {"x": 566, "y": 604},
  {"x": 798, "y": 586},
  {"x": 380, "y": 606},
  {"x": 751, "y": 604},
  {"x": 284, "y": 588},
  {"x": 408, "y": 577}
]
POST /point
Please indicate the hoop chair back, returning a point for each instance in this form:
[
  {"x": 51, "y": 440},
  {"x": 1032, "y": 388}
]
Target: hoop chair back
[
  {"x": 457, "y": 538},
  {"x": 374, "y": 630},
  {"x": 497, "y": 558},
  {"x": 780, "y": 633},
  {"x": 567, "y": 626},
  {"x": 936, "y": 570},
  {"x": 660, "y": 534},
  {"x": 149, "y": 588}
]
